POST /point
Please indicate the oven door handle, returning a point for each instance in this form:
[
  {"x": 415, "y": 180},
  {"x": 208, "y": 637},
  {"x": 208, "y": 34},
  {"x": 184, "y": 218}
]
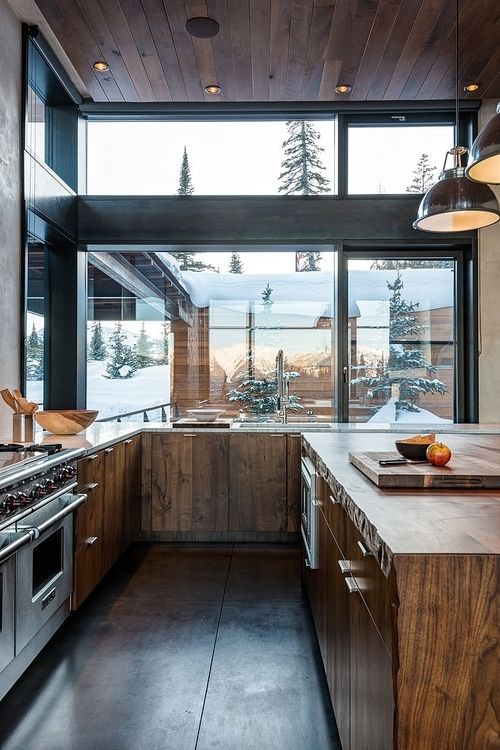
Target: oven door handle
[
  {"x": 17, "y": 544},
  {"x": 79, "y": 499}
]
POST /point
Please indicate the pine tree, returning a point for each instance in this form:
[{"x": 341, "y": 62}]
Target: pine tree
[
  {"x": 34, "y": 355},
  {"x": 311, "y": 261},
  {"x": 164, "y": 344},
  {"x": 185, "y": 182},
  {"x": 423, "y": 176},
  {"x": 397, "y": 265},
  {"x": 97, "y": 348},
  {"x": 235, "y": 264},
  {"x": 404, "y": 359},
  {"x": 188, "y": 261},
  {"x": 122, "y": 364},
  {"x": 142, "y": 349},
  {"x": 259, "y": 394},
  {"x": 302, "y": 167}
]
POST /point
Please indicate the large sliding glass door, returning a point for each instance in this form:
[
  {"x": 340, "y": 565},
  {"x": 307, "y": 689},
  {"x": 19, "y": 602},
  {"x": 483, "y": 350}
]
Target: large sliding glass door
[{"x": 401, "y": 339}]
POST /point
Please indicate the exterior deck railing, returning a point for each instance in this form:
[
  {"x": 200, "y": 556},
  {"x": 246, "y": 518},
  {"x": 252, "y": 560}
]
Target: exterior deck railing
[{"x": 144, "y": 412}]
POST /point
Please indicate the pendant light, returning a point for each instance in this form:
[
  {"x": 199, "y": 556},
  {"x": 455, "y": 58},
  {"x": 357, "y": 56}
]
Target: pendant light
[
  {"x": 484, "y": 158},
  {"x": 454, "y": 203}
]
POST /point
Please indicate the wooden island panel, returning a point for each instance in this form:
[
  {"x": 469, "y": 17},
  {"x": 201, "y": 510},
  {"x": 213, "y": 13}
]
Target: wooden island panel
[{"x": 430, "y": 593}]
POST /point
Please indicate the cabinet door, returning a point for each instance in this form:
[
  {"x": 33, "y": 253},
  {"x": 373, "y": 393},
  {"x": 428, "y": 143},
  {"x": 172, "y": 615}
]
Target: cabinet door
[
  {"x": 114, "y": 491},
  {"x": 257, "y": 482},
  {"x": 87, "y": 569},
  {"x": 338, "y": 638},
  {"x": 190, "y": 482},
  {"x": 293, "y": 482},
  {"x": 372, "y": 703},
  {"x": 132, "y": 489}
]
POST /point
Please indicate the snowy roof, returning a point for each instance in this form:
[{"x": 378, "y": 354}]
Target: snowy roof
[{"x": 430, "y": 288}]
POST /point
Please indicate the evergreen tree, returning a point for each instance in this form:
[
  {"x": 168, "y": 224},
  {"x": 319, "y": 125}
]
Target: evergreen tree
[
  {"x": 185, "y": 182},
  {"x": 235, "y": 264},
  {"x": 311, "y": 261},
  {"x": 189, "y": 262},
  {"x": 258, "y": 394},
  {"x": 34, "y": 355},
  {"x": 164, "y": 344},
  {"x": 142, "y": 349},
  {"x": 397, "y": 265},
  {"x": 405, "y": 360},
  {"x": 423, "y": 176},
  {"x": 302, "y": 167},
  {"x": 122, "y": 364},
  {"x": 97, "y": 348}
]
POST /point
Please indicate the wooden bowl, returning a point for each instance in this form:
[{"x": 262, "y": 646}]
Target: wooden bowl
[{"x": 65, "y": 421}]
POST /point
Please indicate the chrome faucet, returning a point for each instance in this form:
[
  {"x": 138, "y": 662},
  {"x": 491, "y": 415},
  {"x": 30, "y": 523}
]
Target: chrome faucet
[{"x": 282, "y": 388}]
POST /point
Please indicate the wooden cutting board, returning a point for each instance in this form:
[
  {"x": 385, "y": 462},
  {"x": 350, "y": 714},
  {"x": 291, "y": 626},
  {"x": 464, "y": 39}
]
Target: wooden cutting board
[
  {"x": 186, "y": 423},
  {"x": 463, "y": 472}
]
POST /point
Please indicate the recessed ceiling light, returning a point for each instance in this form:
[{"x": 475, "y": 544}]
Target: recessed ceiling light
[
  {"x": 471, "y": 87},
  {"x": 202, "y": 27},
  {"x": 213, "y": 88},
  {"x": 101, "y": 65},
  {"x": 343, "y": 88}
]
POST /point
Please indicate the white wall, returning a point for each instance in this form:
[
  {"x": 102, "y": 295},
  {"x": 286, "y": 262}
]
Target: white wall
[
  {"x": 10, "y": 206},
  {"x": 489, "y": 307}
]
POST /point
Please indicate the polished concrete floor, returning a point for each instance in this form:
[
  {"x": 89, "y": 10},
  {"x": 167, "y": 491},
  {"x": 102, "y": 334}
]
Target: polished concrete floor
[{"x": 180, "y": 648}]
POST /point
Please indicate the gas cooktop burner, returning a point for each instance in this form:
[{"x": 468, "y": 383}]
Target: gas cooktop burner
[{"x": 18, "y": 448}]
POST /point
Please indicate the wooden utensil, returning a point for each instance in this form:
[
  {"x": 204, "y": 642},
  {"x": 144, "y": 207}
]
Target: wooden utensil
[
  {"x": 10, "y": 400},
  {"x": 25, "y": 405}
]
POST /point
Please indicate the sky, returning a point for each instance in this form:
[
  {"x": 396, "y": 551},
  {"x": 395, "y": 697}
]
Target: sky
[{"x": 244, "y": 158}]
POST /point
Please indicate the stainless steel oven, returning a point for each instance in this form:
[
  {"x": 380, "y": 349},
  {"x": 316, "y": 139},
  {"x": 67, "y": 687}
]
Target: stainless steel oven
[
  {"x": 7, "y": 584},
  {"x": 309, "y": 511},
  {"x": 44, "y": 577}
]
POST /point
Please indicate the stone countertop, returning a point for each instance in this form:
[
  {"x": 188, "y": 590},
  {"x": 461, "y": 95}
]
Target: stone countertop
[
  {"x": 412, "y": 521},
  {"x": 102, "y": 434}
]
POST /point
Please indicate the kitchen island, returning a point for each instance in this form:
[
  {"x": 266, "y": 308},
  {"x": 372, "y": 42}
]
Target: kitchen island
[{"x": 405, "y": 602}]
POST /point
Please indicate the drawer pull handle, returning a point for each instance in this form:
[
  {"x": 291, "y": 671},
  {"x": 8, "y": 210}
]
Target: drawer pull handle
[
  {"x": 351, "y": 585},
  {"x": 127, "y": 442},
  {"x": 364, "y": 550},
  {"x": 345, "y": 566},
  {"x": 93, "y": 458},
  {"x": 333, "y": 499},
  {"x": 189, "y": 434},
  {"x": 88, "y": 487},
  {"x": 90, "y": 541},
  {"x": 109, "y": 450}
]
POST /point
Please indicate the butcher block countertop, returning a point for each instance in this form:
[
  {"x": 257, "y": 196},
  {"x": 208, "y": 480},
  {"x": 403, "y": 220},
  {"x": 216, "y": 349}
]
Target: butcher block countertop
[{"x": 415, "y": 521}]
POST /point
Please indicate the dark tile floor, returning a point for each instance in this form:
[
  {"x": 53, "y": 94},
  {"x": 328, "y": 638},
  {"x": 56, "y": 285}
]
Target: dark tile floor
[{"x": 181, "y": 648}]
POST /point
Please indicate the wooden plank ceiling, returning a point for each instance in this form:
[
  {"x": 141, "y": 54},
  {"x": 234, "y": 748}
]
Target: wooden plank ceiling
[{"x": 279, "y": 50}]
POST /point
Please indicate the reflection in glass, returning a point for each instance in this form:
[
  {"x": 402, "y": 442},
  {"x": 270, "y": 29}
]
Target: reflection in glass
[
  {"x": 401, "y": 337},
  {"x": 35, "y": 322}
]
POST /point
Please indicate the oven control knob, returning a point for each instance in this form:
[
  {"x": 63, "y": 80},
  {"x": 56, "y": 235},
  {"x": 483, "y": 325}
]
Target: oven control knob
[
  {"x": 7, "y": 503},
  {"x": 37, "y": 492},
  {"x": 19, "y": 500},
  {"x": 49, "y": 485},
  {"x": 70, "y": 471}
]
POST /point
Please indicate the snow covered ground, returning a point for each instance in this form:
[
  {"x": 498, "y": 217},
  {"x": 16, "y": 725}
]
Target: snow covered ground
[
  {"x": 149, "y": 386},
  {"x": 387, "y": 414}
]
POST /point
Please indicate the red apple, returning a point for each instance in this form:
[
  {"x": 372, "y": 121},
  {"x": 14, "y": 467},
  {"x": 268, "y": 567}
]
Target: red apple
[{"x": 438, "y": 454}]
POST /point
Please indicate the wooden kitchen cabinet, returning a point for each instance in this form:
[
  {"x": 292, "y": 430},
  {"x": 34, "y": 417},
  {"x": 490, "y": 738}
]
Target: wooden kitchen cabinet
[
  {"x": 258, "y": 482},
  {"x": 357, "y": 661},
  {"x": 106, "y": 524},
  {"x": 189, "y": 482}
]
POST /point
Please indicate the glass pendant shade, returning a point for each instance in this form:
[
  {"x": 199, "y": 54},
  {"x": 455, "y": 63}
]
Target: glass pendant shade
[
  {"x": 484, "y": 159},
  {"x": 455, "y": 204}
]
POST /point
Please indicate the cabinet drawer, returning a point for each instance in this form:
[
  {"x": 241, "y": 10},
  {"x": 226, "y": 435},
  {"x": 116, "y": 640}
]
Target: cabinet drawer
[
  {"x": 374, "y": 587},
  {"x": 88, "y": 518},
  {"x": 87, "y": 569}
]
